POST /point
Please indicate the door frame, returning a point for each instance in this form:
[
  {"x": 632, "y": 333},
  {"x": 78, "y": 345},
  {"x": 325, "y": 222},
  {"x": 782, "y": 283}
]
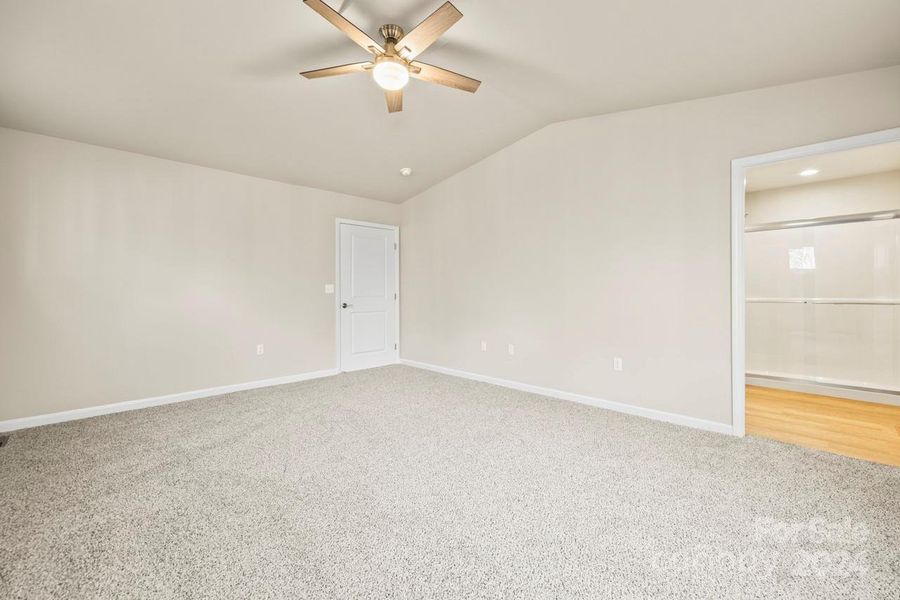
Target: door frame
[
  {"x": 337, "y": 284},
  {"x": 739, "y": 168}
]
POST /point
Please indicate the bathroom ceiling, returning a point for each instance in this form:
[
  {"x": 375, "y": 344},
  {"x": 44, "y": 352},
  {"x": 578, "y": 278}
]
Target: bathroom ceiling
[
  {"x": 836, "y": 165},
  {"x": 216, "y": 83}
]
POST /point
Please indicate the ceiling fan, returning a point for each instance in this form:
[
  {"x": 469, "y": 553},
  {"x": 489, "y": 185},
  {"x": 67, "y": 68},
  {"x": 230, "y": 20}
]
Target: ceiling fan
[{"x": 393, "y": 61}]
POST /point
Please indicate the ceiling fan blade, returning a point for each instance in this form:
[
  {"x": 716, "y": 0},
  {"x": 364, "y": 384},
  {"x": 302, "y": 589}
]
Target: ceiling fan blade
[
  {"x": 352, "y": 31},
  {"x": 339, "y": 70},
  {"x": 429, "y": 30},
  {"x": 394, "y": 100},
  {"x": 433, "y": 74}
]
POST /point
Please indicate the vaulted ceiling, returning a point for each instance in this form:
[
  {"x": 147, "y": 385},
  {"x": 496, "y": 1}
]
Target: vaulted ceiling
[{"x": 215, "y": 82}]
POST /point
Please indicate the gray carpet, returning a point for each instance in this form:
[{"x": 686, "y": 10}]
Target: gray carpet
[{"x": 401, "y": 483}]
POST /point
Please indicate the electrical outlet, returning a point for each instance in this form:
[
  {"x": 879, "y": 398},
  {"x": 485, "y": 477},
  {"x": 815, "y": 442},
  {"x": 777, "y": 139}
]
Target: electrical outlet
[
  {"x": 329, "y": 288},
  {"x": 484, "y": 346},
  {"x": 512, "y": 349},
  {"x": 617, "y": 363},
  {"x": 260, "y": 349}
]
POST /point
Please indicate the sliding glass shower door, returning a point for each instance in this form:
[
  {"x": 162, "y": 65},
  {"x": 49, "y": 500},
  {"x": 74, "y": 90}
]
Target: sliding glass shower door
[{"x": 823, "y": 302}]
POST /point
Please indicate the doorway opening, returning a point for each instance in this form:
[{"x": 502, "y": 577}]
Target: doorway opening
[{"x": 816, "y": 296}]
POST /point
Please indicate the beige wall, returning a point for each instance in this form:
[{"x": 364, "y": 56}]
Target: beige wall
[
  {"x": 865, "y": 193},
  {"x": 126, "y": 277},
  {"x": 609, "y": 236}
]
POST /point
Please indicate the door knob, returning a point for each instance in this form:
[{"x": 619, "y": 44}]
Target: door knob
[{"x": 345, "y": 305}]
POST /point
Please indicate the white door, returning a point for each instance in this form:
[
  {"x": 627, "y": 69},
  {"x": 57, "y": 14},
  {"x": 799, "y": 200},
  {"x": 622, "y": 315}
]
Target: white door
[{"x": 368, "y": 296}]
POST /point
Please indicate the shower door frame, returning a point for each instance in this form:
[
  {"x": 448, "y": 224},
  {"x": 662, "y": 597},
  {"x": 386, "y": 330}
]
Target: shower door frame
[{"x": 739, "y": 168}]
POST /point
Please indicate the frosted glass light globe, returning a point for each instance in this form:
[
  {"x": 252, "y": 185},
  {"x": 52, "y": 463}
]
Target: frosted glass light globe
[{"x": 391, "y": 74}]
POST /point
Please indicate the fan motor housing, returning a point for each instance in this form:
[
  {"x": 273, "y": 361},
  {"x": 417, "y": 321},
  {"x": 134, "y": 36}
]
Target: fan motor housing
[{"x": 391, "y": 32}]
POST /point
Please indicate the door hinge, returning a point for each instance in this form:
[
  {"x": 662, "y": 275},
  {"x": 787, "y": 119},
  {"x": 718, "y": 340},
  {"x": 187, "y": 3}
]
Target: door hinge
[
  {"x": 395, "y": 346},
  {"x": 395, "y": 245},
  {"x": 395, "y": 296}
]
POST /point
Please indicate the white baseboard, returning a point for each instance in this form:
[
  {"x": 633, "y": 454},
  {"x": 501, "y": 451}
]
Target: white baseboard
[
  {"x": 650, "y": 413},
  {"x": 105, "y": 409}
]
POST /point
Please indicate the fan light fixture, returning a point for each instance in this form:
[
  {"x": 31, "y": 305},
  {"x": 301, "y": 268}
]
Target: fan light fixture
[
  {"x": 390, "y": 73},
  {"x": 393, "y": 61}
]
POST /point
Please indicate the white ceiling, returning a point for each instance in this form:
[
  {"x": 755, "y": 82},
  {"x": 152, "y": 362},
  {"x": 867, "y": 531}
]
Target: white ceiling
[
  {"x": 836, "y": 165},
  {"x": 215, "y": 82}
]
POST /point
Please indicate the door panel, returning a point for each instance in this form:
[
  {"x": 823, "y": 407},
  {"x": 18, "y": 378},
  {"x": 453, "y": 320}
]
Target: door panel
[
  {"x": 368, "y": 285},
  {"x": 369, "y": 331},
  {"x": 368, "y": 265}
]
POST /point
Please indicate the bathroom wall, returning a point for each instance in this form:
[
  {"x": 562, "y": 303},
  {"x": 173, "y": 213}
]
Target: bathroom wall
[{"x": 851, "y": 335}]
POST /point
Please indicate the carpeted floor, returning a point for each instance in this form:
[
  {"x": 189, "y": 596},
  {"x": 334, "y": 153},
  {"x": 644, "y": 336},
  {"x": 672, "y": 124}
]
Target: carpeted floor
[{"x": 401, "y": 483}]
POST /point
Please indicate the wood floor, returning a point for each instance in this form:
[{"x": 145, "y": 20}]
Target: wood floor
[{"x": 859, "y": 429}]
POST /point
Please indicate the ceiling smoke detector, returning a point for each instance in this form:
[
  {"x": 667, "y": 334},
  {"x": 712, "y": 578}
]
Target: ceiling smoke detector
[{"x": 406, "y": 171}]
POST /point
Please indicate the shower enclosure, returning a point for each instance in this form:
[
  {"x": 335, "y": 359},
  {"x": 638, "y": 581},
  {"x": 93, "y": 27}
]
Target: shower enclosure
[{"x": 823, "y": 301}]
